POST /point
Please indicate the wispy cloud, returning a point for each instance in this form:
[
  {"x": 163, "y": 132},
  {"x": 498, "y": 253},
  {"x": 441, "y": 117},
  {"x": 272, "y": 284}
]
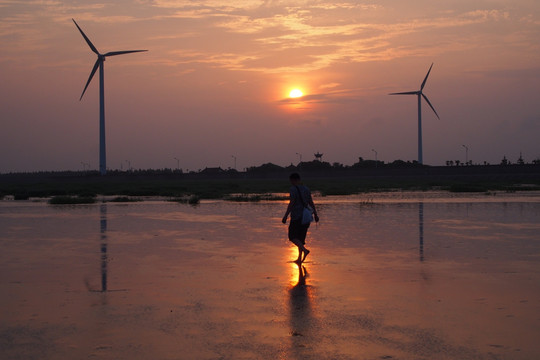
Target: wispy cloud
[
  {"x": 270, "y": 36},
  {"x": 335, "y": 96},
  {"x": 304, "y": 36}
]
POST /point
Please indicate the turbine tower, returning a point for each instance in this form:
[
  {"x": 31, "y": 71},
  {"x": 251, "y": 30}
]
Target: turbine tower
[
  {"x": 99, "y": 64},
  {"x": 420, "y": 95}
]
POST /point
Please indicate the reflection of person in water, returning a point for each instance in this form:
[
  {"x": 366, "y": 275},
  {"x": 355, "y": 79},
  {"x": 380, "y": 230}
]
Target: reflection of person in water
[
  {"x": 300, "y": 304},
  {"x": 299, "y": 195}
]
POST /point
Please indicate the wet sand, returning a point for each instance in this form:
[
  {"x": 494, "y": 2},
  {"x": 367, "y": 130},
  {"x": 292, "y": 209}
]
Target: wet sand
[{"x": 389, "y": 277}]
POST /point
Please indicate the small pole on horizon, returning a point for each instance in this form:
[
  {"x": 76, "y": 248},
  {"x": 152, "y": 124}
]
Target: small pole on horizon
[
  {"x": 466, "y": 155},
  {"x": 375, "y": 157},
  {"x": 177, "y": 164},
  {"x": 234, "y": 157}
]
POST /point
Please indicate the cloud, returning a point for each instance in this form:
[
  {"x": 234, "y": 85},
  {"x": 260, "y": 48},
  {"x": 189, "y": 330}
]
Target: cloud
[
  {"x": 520, "y": 74},
  {"x": 277, "y": 33},
  {"x": 276, "y": 36},
  {"x": 210, "y": 4},
  {"x": 336, "y": 96},
  {"x": 329, "y": 85}
]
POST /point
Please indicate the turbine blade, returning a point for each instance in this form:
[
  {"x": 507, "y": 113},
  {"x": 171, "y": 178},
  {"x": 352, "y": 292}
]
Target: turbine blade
[
  {"x": 431, "y": 106},
  {"x": 405, "y": 93},
  {"x": 425, "y": 79},
  {"x": 92, "y": 47},
  {"x": 113, "y": 53},
  {"x": 94, "y": 69}
]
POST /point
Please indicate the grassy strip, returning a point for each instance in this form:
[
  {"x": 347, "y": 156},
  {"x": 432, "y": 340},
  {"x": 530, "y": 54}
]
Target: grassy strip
[
  {"x": 254, "y": 197},
  {"x": 192, "y": 200},
  {"x": 71, "y": 200},
  {"x": 181, "y": 188},
  {"x": 123, "y": 199}
]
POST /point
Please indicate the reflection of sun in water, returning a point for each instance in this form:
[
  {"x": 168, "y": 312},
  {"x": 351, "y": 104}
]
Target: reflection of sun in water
[
  {"x": 296, "y": 93},
  {"x": 293, "y": 254}
]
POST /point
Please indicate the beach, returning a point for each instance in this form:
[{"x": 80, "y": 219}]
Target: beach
[{"x": 402, "y": 275}]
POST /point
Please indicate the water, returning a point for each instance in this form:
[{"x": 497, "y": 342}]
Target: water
[{"x": 390, "y": 276}]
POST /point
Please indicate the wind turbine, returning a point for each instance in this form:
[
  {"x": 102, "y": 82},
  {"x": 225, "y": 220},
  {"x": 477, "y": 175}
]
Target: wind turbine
[
  {"x": 420, "y": 95},
  {"x": 99, "y": 64}
]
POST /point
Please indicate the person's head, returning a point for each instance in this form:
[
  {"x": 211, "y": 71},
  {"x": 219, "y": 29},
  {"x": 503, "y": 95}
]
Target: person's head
[{"x": 294, "y": 178}]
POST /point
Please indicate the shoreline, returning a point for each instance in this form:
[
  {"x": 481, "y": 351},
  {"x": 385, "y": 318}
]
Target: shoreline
[{"x": 366, "y": 199}]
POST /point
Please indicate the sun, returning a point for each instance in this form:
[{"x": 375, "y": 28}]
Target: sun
[{"x": 296, "y": 93}]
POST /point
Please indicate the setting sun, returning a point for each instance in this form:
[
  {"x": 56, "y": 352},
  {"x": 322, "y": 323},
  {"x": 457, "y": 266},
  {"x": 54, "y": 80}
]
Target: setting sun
[{"x": 296, "y": 93}]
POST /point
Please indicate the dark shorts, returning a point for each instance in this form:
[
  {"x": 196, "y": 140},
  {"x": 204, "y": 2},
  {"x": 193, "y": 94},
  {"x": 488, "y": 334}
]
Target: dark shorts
[{"x": 298, "y": 231}]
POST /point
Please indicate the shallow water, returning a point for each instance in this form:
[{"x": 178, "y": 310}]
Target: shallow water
[{"x": 390, "y": 276}]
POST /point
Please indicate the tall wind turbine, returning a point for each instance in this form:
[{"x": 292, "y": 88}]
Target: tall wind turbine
[
  {"x": 420, "y": 95},
  {"x": 99, "y": 64}
]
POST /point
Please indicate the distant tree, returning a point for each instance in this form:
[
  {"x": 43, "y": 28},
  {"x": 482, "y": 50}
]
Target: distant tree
[
  {"x": 457, "y": 162},
  {"x": 265, "y": 168},
  {"x": 400, "y": 164},
  {"x": 505, "y": 161},
  {"x": 212, "y": 171},
  {"x": 364, "y": 164},
  {"x": 291, "y": 168},
  {"x": 231, "y": 171},
  {"x": 315, "y": 165}
]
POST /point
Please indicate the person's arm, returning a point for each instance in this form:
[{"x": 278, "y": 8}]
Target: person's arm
[
  {"x": 312, "y": 204},
  {"x": 289, "y": 209}
]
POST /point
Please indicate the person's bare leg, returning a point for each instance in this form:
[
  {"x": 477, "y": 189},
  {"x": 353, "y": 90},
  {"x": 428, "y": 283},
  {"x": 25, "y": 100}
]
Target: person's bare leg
[
  {"x": 301, "y": 249},
  {"x": 299, "y": 259},
  {"x": 306, "y": 253}
]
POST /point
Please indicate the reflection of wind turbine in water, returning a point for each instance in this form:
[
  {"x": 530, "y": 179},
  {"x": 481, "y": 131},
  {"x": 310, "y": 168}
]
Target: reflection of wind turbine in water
[
  {"x": 420, "y": 95},
  {"x": 103, "y": 234},
  {"x": 103, "y": 250},
  {"x": 104, "y": 255},
  {"x": 421, "y": 229},
  {"x": 99, "y": 64},
  {"x": 424, "y": 269}
]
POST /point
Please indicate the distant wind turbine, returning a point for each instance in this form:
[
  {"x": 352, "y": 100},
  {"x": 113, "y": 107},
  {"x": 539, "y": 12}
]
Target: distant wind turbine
[
  {"x": 99, "y": 64},
  {"x": 420, "y": 94}
]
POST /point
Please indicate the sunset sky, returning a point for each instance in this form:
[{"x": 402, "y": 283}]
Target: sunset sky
[{"x": 216, "y": 79}]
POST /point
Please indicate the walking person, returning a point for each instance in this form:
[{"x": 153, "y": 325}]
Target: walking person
[{"x": 300, "y": 196}]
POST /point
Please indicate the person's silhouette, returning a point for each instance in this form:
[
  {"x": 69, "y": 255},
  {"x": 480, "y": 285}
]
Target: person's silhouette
[{"x": 299, "y": 196}]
